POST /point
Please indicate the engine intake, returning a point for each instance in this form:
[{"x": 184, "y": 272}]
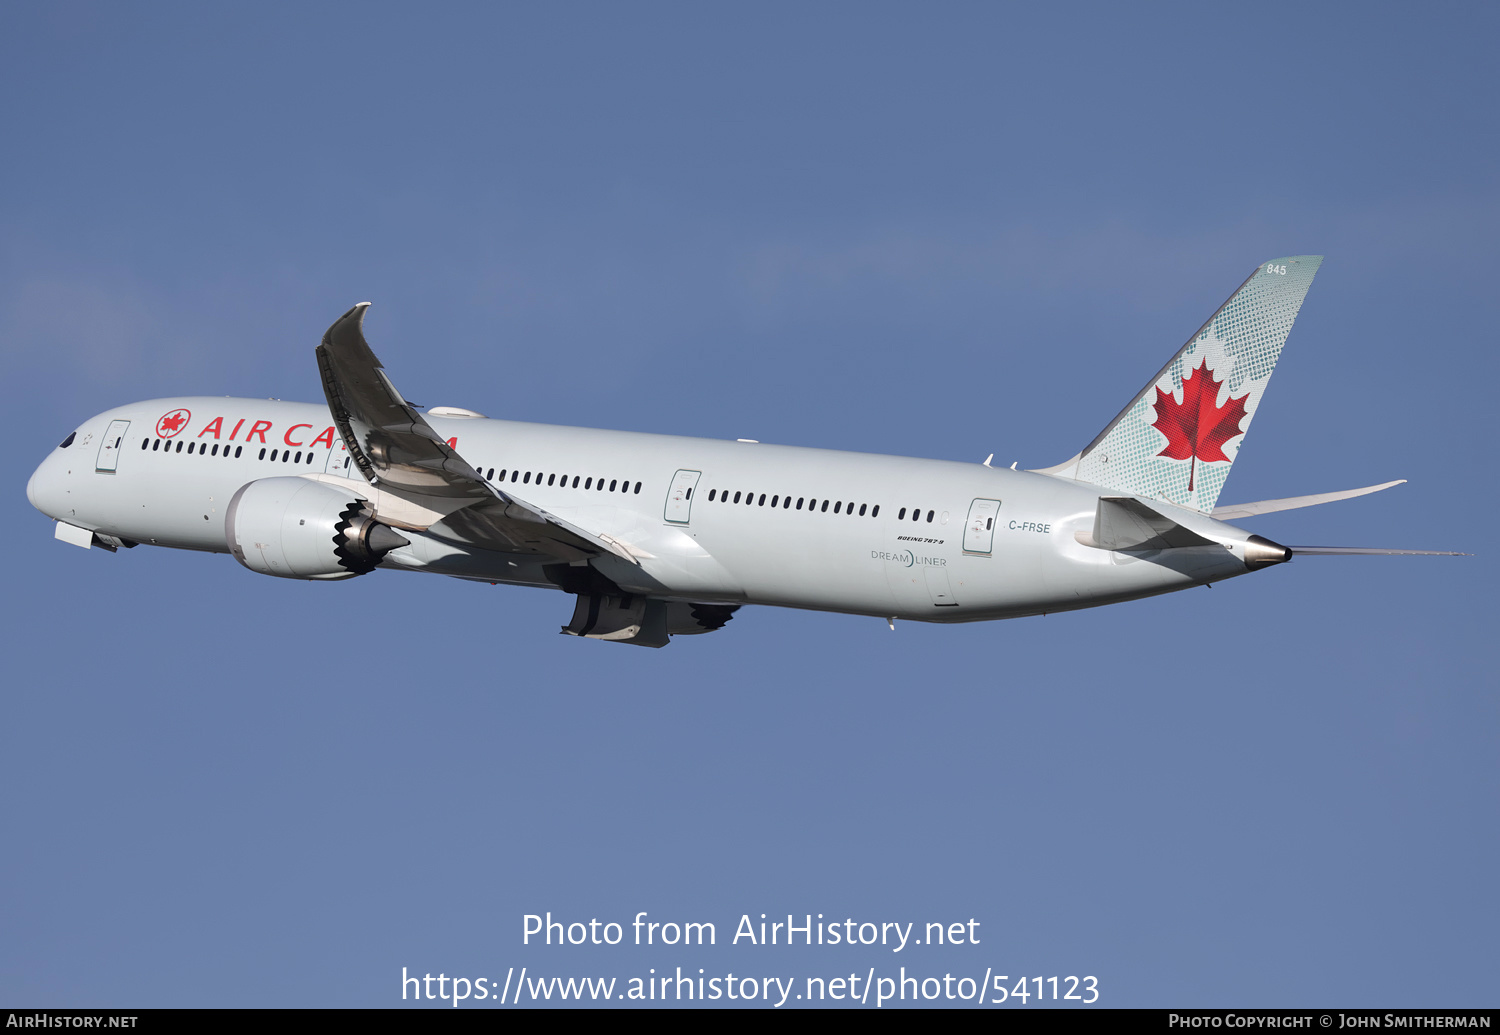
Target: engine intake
[{"x": 296, "y": 528}]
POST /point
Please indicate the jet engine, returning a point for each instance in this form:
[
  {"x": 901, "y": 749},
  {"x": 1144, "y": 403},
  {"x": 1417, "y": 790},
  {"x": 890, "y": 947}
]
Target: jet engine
[{"x": 297, "y": 528}]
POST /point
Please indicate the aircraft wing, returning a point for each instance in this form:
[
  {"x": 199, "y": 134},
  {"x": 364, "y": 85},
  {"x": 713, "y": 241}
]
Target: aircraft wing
[{"x": 398, "y": 452}]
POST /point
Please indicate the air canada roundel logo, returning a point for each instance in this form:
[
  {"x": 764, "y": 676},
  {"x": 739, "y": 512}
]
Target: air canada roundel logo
[{"x": 173, "y": 422}]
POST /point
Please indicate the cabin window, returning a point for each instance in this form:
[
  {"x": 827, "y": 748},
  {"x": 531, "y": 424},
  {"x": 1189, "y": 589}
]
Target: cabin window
[
  {"x": 155, "y": 446},
  {"x": 551, "y": 479},
  {"x": 613, "y": 483},
  {"x": 527, "y": 479},
  {"x": 145, "y": 444},
  {"x": 773, "y": 501},
  {"x": 179, "y": 447},
  {"x": 799, "y": 502},
  {"x": 836, "y": 507},
  {"x": 929, "y": 516},
  {"x": 711, "y": 494},
  {"x": 299, "y": 456},
  {"x": 637, "y": 488},
  {"x": 825, "y": 507},
  {"x": 902, "y": 515},
  {"x": 875, "y": 511},
  {"x": 240, "y": 449},
  {"x": 762, "y": 500},
  {"x": 861, "y": 510},
  {"x": 736, "y": 497},
  {"x": 491, "y": 476}
]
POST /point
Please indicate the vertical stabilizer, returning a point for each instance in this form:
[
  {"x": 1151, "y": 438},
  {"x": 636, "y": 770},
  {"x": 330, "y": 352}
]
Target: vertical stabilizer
[{"x": 1177, "y": 439}]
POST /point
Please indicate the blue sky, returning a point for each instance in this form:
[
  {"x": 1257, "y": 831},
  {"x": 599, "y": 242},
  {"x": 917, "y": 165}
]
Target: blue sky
[{"x": 939, "y": 231}]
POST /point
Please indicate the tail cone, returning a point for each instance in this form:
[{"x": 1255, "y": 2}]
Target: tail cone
[{"x": 1262, "y": 553}]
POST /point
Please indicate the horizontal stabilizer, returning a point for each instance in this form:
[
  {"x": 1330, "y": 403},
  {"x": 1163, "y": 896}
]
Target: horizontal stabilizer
[
  {"x": 1125, "y": 523},
  {"x": 1337, "y": 551},
  {"x": 1236, "y": 511}
]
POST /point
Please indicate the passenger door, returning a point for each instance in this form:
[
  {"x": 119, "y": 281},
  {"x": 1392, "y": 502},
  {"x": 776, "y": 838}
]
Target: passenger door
[
  {"x": 979, "y": 533},
  {"x": 340, "y": 462},
  {"x": 680, "y": 497},
  {"x": 109, "y": 449}
]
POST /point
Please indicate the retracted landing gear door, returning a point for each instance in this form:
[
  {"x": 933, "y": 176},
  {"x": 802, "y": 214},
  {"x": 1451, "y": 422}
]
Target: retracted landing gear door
[
  {"x": 979, "y": 533},
  {"x": 109, "y": 449}
]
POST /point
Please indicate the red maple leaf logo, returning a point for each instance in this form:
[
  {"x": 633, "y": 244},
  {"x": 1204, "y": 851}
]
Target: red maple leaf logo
[
  {"x": 1196, "y": 428},
  {"x": 172, "y": 423}
]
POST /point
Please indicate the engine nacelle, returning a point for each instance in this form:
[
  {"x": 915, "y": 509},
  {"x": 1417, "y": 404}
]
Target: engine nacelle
[{"x": 296, "y": 528}]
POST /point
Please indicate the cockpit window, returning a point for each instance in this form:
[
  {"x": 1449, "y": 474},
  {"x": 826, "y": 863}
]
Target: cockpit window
[{"x": 68, "y": 441}]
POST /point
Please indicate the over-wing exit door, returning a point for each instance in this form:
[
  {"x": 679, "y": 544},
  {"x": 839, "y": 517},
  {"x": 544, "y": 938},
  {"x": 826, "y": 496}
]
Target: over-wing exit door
[{"x": 680, "y": 496}]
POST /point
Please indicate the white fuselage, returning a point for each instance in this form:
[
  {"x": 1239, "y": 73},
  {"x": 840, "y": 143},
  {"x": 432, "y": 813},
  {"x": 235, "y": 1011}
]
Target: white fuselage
[{"x": 820, "y": 529}]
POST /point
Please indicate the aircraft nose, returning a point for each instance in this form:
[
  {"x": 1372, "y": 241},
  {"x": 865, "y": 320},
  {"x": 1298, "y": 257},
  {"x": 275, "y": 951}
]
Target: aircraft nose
[{"x": 41, "y": 487}]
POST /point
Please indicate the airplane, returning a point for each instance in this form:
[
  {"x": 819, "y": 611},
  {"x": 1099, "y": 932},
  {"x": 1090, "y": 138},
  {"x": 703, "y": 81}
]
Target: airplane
[{"x": 657, "y": 536}]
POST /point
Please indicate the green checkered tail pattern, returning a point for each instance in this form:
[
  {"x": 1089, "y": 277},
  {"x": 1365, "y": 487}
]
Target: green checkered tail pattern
[{"x": 1177, "y": 439}]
